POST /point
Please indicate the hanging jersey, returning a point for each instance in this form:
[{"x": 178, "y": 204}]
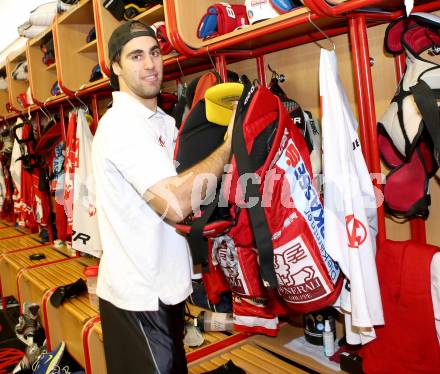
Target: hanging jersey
[
  {"x": 15, "y": 168},
  {"x": 85, "y": 231},
  {"x": 350, "y": 207},
  {"x": 70, "y": 164}
]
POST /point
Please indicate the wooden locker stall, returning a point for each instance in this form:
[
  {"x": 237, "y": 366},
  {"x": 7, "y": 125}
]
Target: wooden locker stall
[
  {"x": 106, "y": 23},
  {"x": 76, "y": 57},
  {"x": 41, "y": 77},
  {"x": 16, "y": 87}
]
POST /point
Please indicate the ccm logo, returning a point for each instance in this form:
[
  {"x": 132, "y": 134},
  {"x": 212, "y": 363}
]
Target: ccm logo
[
  {"x": 248, "y": 96},
  {"x": 80, "y": 236}
]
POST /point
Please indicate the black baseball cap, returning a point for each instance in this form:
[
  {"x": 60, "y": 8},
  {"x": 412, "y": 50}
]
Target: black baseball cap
[{"x": 121, "y": 36}]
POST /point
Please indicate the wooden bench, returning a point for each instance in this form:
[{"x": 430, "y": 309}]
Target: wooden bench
[
  {"x": 8, "y": 245},
  {"x": 4, "y": 224},
  {"x": 11, "y": 232},
  {"x": 66, "y": 322},
  {"x": 11, "y": 264},
  {"x": 287, "y": 333},
  {"x": 248, "y": 356}
]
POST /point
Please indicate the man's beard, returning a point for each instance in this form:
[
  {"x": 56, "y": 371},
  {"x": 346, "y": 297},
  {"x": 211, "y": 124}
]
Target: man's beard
[{"x": 147, "y": 92}]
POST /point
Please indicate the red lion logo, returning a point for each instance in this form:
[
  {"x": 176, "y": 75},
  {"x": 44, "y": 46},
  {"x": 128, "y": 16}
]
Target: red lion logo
[{"x": 356, "y": 231}]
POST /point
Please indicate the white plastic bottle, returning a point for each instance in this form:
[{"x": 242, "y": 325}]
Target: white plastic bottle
[{"x": 328, "y": 339}]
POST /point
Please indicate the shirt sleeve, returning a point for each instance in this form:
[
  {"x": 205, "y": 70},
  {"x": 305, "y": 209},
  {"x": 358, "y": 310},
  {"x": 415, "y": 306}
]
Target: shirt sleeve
[{"x": 139, "y": 157}]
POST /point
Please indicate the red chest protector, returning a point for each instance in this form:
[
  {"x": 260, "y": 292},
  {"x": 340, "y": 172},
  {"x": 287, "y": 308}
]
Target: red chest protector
[{"x": 408, "y": 341}]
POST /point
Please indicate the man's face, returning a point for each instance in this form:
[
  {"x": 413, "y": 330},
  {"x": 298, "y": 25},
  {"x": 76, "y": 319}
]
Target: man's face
[{"x": 140, "y": 69}]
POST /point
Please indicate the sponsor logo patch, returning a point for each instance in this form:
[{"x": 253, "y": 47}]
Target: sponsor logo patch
[{"x": 299, "y": 279}]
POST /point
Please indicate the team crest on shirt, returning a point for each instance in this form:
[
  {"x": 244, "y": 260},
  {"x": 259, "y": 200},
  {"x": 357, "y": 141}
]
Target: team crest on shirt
[{"x": 161, "y": 141}]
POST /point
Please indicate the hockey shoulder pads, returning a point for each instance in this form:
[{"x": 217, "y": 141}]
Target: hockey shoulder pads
[{"x": 280, "y": 209}]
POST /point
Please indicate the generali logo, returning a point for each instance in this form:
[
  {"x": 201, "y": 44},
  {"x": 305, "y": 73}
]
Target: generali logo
[{"x": 356, "y": 231}]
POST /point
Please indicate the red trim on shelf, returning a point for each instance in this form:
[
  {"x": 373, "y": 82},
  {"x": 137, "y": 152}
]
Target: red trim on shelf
[
  {"x": 214, "y": 347},
  {"x": 44, "y": 301},
  {"x": 100, "y": 37},
  {"x": 23, "y": 249},
  {"x": 90, "y": 324},
  {"x": 13, "y": 236}
]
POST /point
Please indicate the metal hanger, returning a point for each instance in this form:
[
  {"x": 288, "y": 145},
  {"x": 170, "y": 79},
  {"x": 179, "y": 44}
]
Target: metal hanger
[
  {"x": 180, "y": 67},
  {"x": 281, "y": 78},
  {"x": 85, "y": 107},
  {"x": 46, "y": 113},
  {"x": 210, "y": 59},
  {"x": 324, "y": 34},
  {"x": 50, "y": 116},
  {"x": 70, "y": 102},
  {"x": 182, "y": 86}
]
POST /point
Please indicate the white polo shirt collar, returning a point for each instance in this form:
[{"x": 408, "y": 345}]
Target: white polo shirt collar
[{"x": 123, "y": 100}]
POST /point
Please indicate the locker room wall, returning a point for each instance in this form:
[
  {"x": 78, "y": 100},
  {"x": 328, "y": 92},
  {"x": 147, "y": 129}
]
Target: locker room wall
[{"x": 300, "y": 65}]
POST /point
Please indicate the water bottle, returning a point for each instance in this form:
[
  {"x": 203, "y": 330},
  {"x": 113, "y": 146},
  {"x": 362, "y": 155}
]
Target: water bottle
[
  {"x": 328, "y": 339},
  {"x": 213, "y": 321}
]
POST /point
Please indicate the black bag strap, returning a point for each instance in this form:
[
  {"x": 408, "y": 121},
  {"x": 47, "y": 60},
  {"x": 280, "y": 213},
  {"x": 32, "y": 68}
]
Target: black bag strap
[
  {"x": 426, "y": 101},
  {"x": 260, "y": 228},
  {"x": 197, "y": 242}
]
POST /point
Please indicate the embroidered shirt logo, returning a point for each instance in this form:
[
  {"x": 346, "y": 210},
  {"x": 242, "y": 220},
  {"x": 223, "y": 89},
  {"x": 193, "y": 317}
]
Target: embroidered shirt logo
[
  {"x": 161, "y": 141},
  {"x": 356, "y": 231}
]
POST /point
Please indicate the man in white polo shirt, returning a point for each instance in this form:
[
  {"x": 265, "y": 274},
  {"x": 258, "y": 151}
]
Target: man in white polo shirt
[{"x": 145, "y": 270}]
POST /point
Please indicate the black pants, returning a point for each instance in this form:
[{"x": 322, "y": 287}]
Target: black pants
[{"x": 143, "y": 342}]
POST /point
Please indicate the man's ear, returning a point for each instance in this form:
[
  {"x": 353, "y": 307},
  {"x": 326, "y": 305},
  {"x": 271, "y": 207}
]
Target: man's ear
[{"x": 116, "y": 68}]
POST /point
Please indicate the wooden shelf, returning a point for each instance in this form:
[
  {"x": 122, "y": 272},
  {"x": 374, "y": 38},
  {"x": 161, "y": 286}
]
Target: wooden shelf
[
  {"x": 286, "y": 334},
  {"x": 152, "y": 15},
  {"x": 75, "y": 58},
  {"x": 89, "y": 47},
  {"x": 47, "y": 33},
  {"x": 289, "y": 26},
  {"x": 106, "y": 23},
  {"x": 51, "y": 98},
  {"x": 16, "y": 87},
  {"x": 94, "y": 83},
  {"x": 41, "y": 76},
  {"x": 79, "y": 13},
  {"x": 188, "y": 16}
]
